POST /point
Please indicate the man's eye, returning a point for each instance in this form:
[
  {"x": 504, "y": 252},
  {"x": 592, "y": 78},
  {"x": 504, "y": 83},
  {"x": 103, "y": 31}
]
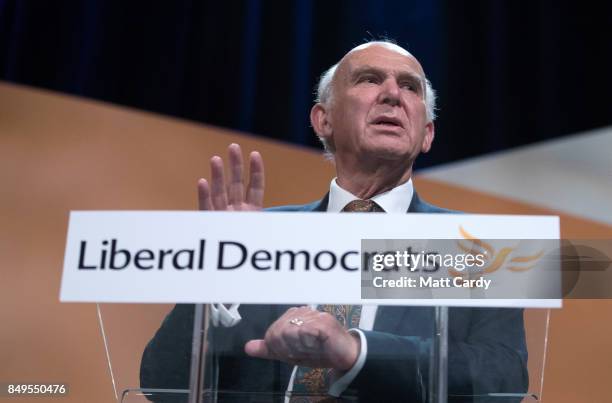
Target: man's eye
[
  {"x": 368, "y": 79},
  {"x": 410, "y": 86}
]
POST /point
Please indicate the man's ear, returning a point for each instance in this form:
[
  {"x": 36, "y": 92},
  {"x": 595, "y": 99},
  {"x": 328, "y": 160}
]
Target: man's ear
[
  {"x": 319, "y": 119},
  {"x": 429, "y": 137}
]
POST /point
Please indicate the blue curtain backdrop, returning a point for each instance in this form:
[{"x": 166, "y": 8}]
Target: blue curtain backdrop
[{"x": 507, "y": 72}]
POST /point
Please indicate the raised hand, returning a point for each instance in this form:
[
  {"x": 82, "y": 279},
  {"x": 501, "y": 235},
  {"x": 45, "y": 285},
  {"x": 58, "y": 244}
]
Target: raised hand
[
  {"x": 306, "y": 337},
  {"x": 230, "y": 196}
]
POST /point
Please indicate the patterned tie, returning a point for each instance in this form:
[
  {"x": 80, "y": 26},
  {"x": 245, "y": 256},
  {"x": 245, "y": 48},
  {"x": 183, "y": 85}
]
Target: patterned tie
[
  {"x": 316, "y": 381},
  {"x": 362, "y": 206},
  {"x": 313, "y": 383}
]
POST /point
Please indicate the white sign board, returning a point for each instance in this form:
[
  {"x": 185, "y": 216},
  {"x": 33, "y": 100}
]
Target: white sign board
[{"x": 255, "y": 257}]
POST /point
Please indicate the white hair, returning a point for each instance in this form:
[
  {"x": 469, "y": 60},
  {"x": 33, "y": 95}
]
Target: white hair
[{"x": 325, "y": 86}]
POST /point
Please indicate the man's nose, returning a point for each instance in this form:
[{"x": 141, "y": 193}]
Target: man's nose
[{"x": 390, "y": 93}]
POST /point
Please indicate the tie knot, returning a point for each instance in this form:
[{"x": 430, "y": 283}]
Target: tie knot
[{"x": 363, "y": 206}]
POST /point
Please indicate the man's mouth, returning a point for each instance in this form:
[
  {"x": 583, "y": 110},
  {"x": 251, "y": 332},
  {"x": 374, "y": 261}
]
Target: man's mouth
[{"x": 387, "y": 121}]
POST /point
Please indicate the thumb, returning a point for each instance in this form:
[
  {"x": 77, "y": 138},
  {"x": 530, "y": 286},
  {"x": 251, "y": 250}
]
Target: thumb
[{"x": 257, "y": 349}]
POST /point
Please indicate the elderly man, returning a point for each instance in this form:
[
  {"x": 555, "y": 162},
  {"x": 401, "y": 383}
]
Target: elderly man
[{"x": 374, "y": 115}]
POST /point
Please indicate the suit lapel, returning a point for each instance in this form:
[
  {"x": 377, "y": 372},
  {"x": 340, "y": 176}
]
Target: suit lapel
[
  {"x": 416, "y": 204},
  {"x": 321, "y": 205}
]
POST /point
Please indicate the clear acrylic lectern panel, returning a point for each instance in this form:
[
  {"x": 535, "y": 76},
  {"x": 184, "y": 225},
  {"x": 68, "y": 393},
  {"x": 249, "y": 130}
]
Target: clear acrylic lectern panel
[
  {"x": 151, "y": 357},
  {"x": 127, "y": 330}
]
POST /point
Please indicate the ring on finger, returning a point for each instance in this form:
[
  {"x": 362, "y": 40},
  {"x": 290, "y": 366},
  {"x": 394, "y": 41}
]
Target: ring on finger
[{"x": 296, "y": 321}]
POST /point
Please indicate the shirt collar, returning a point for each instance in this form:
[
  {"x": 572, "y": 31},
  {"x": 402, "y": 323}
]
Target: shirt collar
[{"x": 396, "y": 200}]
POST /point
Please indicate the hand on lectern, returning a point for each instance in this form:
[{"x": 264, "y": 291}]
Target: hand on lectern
[
  {"x": 230, "y": 196},
  {"x": 310, "y": 338}
]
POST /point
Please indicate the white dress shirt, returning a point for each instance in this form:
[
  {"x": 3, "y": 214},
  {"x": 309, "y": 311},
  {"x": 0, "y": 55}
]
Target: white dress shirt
[{"x": 394, "y": 201}]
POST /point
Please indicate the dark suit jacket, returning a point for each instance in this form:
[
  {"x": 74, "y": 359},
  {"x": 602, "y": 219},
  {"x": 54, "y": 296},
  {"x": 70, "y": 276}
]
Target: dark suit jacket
[{"x": 487, "y": 351}]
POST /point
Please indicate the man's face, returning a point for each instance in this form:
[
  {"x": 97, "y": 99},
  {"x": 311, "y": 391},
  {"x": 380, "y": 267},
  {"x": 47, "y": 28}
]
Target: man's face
[{"x": 377, "y": 107}]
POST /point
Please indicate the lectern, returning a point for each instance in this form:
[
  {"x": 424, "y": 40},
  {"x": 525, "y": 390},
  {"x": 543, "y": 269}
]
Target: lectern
[
  {"x": 189, "y": 370},
  {"x": 426, "y": 337}
]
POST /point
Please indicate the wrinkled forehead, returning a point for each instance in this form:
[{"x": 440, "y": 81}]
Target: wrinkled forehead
[{"x": 386, "y": 57}]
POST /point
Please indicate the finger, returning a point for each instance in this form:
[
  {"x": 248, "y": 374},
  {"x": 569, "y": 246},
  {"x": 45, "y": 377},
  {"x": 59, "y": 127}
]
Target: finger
[
  {"x": 295, "y": 349},
  {"x": 217, "y": 191},
  {"x": 289, "y": 329},
  {"x": 302, "y": 346},
  {"x": 293, "y": 312},
  {"x": 204, "y": 202},
  {"x": 258, "y": 349},
  {"x": 255, "y": 190},
  {"x": 307, "y": 350},
  {"x": 281, "y": 341},
  {"x": 309, "y": 339},
  {"x": 236, "y": 184},
  {"x": 277, "y": 341}
]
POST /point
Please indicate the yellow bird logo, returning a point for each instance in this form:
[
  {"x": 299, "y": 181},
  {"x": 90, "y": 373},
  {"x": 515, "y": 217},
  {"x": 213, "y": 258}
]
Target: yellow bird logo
[{"x": 494, "y": 260}]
